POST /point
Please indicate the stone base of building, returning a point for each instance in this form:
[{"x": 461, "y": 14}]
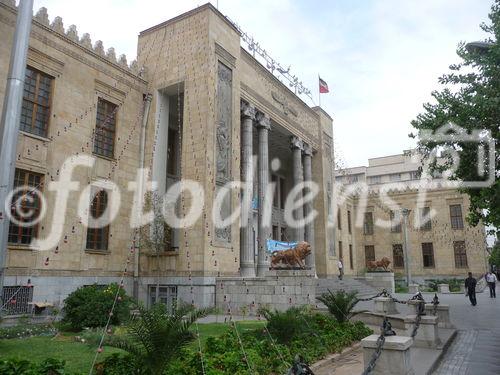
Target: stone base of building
[
  {"x": 280, "y": 290},
  {"x": 381, "y": 280}
]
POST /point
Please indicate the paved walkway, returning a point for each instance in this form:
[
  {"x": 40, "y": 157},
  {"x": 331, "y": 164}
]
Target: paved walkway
[{"x": 476, "y": 349}]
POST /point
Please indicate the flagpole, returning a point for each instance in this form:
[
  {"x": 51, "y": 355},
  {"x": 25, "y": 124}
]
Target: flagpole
[{"x": 319, "y": 93}]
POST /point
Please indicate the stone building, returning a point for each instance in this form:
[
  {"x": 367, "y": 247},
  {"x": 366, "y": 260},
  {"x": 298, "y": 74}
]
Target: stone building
[
  {"x": 441, "y": 242},
  {"x": 205, "y": 106}
]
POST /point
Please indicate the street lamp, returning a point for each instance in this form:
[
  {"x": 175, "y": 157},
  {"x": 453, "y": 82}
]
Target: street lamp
[{"x": 406, "y": 245}]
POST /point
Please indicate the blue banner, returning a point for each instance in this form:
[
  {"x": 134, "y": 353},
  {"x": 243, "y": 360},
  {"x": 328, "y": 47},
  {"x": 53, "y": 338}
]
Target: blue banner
[{"x": 273, "y": 245}]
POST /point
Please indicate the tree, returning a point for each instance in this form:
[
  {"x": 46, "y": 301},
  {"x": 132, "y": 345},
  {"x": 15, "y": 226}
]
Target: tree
[
  {"x": 494, "y": 258},
  {"x": 470, "y": 98},
  {"x": 155, "y": 337}
]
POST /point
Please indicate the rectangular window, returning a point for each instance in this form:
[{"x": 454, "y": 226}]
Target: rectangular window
[
  {"x": 395, "y": 177},
  {"x": 341, "y": 252},
  {"x": 456, "y": 219},
  {"x": 282, "y": 192},
  {"x": 397, "y": 256},
  {"x": 369, "y": 254},
  {"x": 425, "y": 220},
  {"x": 274, "y": 180},
  {"x": 21, "y": 231},
  {"x": 166, "y": 295},
  {"x": 104, "y": 137},
  {"x": 460, "y": 254},
  {"x": 97, "y": 238},
  {"x": 35, "y": 112},
  {"x": 283, "y": 234},
  {"x": 375, "y": 180},
  {"x": 415, "y": 175},
  {"x": 19, "y": 298},
  {"x": 395, "y": 222},
  {"x": 339, "y": 219},
  {"x": 349, "y": 225},
  {"x": 351, "y": 258},
  {"x": 276, "y": 233},
  {"x": 368, "y": 223},
  {"x": 428, "y": 254},
  {"x": 173, "y": 152}
]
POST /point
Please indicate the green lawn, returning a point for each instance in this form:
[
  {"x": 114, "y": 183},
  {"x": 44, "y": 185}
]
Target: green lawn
[{"x": 79, "y": 356}]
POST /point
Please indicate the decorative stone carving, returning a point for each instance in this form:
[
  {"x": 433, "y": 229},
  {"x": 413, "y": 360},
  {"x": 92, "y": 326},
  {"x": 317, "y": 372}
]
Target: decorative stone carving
[
  {"x": 307, "y": 149},
  {"x": 57, "y": 25},
  {"x": 247, "y": 110},
  {"x": 42, "y": 16},
  {"x": 291, "y": 258},
  {"x": 99, "y": 48},
  {"x": 295, "y": 142},
  {"x": 111, "y": 54},
  {"x": 263, "y": 121},
  {"x": 134, "y": 66},
  {"x": 287, "y": 109},
  {"x": 86, "y": 41},
  {"x": 223, "y": 142},
  {"x": 123, "y": 60},
  {"x": 72, "y": 33}
]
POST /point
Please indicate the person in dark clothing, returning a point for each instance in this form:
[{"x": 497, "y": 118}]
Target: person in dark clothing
[{"x": 470, "y": 289}]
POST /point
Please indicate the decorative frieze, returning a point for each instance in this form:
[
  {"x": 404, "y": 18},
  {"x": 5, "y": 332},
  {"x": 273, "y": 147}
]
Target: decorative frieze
[
  {"x": 57, "y": 25},
  {"x": 42, "y": 16},
  {"x": 72, "y": 33}
]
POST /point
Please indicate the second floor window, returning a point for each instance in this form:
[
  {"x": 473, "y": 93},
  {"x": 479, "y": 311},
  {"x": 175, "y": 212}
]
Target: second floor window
[
  {"x": 339, "y": 219},
  {"x": 97, "y": 238},
  {"x": 368, "y": 223},
  {"x": 425, "y": 220},
  {"x": 104, "y": 137},
  {"x": 349, "y": 225},
  {"x": 395, "y": 222},
  {"x": 456, "y": 219},
  {"x": 35, "y": 110}
]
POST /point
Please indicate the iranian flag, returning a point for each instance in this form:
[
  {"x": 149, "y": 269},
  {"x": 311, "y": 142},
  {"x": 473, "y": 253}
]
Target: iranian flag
[{"x": 323, "y": 86}]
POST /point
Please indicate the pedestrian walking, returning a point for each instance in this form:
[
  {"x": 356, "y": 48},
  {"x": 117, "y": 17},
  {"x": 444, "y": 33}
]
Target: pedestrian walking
[
  {"x": 341, "y": 269},
  {"x": 491, "y": 279},
  {"x": 470, "y": 289}
]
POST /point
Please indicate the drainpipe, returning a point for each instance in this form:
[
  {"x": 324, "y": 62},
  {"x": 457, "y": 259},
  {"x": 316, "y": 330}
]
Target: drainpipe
[
  {"x": 9, "y": 123},
  {"x": 142, "y": 151}
]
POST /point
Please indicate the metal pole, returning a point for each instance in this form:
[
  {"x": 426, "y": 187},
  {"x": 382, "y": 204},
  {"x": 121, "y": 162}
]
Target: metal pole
[
  {"x": 406, "y": 245},
  {"x": 9, "y": 124}
]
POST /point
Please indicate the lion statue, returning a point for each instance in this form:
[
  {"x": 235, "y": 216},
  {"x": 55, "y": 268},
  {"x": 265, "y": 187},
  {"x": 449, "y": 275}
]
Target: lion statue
[
  {"x": 292, "y": 257},
  {"x": 375, "y": 264}
]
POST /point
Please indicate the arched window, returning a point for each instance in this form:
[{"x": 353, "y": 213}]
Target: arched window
[{"x": 97, "y": 238}]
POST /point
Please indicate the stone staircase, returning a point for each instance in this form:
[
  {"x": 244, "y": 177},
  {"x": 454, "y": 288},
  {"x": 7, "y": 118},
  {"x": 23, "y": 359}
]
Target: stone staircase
[{"x": 348, "y": 283}]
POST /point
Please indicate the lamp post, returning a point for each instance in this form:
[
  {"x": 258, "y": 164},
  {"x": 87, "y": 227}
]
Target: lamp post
[{"x": 406, "y": 245}]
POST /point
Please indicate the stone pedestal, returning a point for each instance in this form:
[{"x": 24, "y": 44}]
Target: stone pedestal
[
  {"x": 280, "y": 290},
  {"x": 384, "y": 305},
  {"x": 427, "y": 333},
  {"x": 381, "y": 280},
  {"x": 395, "y": 356},
  {"x": 442, "y": 313},
  {"x": 443, "y": 288},
  {"x": 413, "y": 288}
]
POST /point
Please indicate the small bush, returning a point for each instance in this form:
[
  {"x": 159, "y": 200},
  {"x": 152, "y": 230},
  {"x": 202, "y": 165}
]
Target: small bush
[
  {"x": 340, "y": 304},
  {"x": 49, "y": 366},
  {"x": 118, "y": 364},
  {"x": 284, "y": 325},
  {"x": 27, "y": 330},
  {"x": 89, "y": 306}
]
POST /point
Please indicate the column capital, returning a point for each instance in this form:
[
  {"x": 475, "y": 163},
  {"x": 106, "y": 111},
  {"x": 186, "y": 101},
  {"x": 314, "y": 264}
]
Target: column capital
[
  {"x": 263, "y": 121},
  {"x": 308, "y": 151},
  {"x": 296, "y": 142},
  {"x": 247, "y": 110}
]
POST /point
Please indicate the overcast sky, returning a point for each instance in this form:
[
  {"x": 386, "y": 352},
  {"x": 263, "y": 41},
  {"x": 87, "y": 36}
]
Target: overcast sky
[{"x": 380, "y": 58}]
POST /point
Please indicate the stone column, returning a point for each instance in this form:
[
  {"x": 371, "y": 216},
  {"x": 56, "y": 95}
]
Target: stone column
[
  {"x": 263, "y": 127},
  {"x": 247, "y": 260},
  {"x": 297, "y": 146},
  {"x": 308, "y": 207}
]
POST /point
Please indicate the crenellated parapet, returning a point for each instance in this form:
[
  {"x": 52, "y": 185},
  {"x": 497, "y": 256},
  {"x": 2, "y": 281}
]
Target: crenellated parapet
[{"x": 57, "y": 25}]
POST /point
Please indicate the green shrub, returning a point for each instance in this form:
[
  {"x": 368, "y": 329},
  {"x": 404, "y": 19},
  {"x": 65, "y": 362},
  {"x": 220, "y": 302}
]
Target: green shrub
[
  {"x": 89, "y": 306},
  {"x": 118, "y": 364},
  {"x": 27, "y": 330},
  {"x": 284, "y": 325},
  {"x": 340, "y": 304},
  {"x": 49, "y": 366}
]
